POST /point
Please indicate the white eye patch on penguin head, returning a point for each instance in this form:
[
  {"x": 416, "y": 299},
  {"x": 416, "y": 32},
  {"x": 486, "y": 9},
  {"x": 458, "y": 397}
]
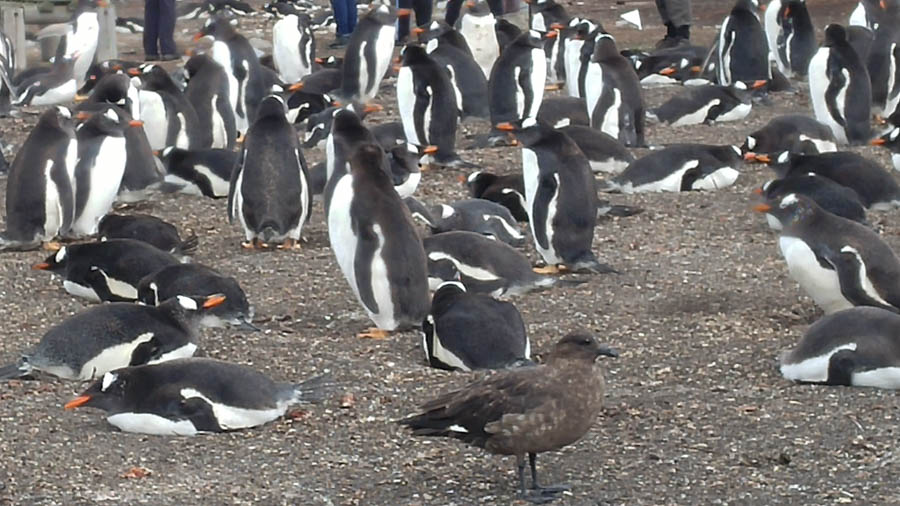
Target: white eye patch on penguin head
[
  {"x": 187, "y": 302},
  {"x": 108, "y": 380},
  {"x": 60, "y": 255},
  {"x": 789, "y": 200}
]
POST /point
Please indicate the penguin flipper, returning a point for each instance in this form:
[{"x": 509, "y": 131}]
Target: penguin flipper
[
  {"x": 367, "y": 245},
  {"x": 836, "y": 81},
  {"x": 188, "y": 246},
  {"x": 849, "y": 270},
  {"x": 232, "y": 191},
  {"x": 548, "y": 186},
  {"x": 313, "y": 390}
]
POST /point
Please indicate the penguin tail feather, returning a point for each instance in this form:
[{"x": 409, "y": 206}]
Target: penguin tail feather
[
  {"x": 188, "y": 246},
  {"x": 18, "y": 370},
  {"x": 315, "y": 389},
  {"x": 618, "y": 211},
  {"x": 590, "y": 264},
  {"x": 169, "y": 187}
]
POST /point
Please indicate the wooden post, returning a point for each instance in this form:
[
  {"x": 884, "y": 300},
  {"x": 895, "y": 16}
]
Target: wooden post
[
  {"x": 12, "y": 21},
  {"x": 106, "y": 47}
]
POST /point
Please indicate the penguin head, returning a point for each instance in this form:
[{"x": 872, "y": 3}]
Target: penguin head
[
  {"x": 54, "y": 263},
  {"x": 190, "y": 307},
  {"x": 413, "y": 54},
  {"x": 218, "y": 26},
  {"x": 605, "y": 48},
  {"x": 440, "y": 270},
  {"x": 346, "y": 122},
  {"x": 114, "y": 392},
  {"x": 890, "y": 139},
  {"x": 791, "y": 210},
  {"x": 528, "y": 130},
  {"x": 835, "y": 34},
  {"x": 271, "y": 105}
]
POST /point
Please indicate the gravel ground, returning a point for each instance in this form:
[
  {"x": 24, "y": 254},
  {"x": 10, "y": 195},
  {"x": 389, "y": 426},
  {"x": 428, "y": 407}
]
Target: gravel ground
[{"x": 697, "y": 412}]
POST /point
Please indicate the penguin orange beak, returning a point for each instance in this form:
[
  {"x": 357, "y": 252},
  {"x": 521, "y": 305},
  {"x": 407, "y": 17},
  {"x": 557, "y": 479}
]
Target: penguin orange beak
[
  {"x": 763, "y": 7},
  {"x": 461, "y": 179},
  {"x": 506, "y": 126},
  {"x": 883, "y": 4},
  {"x": 78, "y": 401},
  {"x": 878, "y": 142},
  {"x": 418, "y": 30},
  {"x": 133, "y": 71},
  {"x": 668, "y": 71},
  {"x": 762, "y": 208},
  {"x": 552, "y": 34},
  {"x": 763, "y": 158},
  {"x": 295, "y": 87},
  {"x": 82, "y": 116},
  {"x": 758, "y": 191},
  {"x": 470, "y": 4},
  {"x": 404, "y": 13},
  {"x": 370, "y": 108},
  {"x": 102, "y": 3},
  {"x": 136, "y": 123},
  {"x": 213, "y": 301},
  {"x": 80, "y": 98},
  {"x": 430, "y": 150},
  {"x": 116, "y": 67},
  {"x": 758, "y": 84},
  {"x": 696, "y": 69},
  {"x": 787, "y": 9},
  {"x": 749, "y": 156},
  {"x": 198, "y": 36},
  {"x": 156, "y": 152},
  {"x": 320, "y": 60},
  {"x": 557, "y": 26},
  {"x": 43, "y": 266}
]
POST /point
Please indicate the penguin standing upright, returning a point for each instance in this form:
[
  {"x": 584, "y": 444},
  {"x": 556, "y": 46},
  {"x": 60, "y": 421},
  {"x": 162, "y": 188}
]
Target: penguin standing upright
[
  {"x": 883, "y": 62},
  {"x": 613, "y": 94},
  {"x": 369, "y": 52},
  {"x": 40, "y": 201},
  {"x": 345, "y": 135},
  {"x": 477, "y": 26},
  {"x": 516, "y": 86},
  {"x": 269, "y": 190},
  {"x": 465, "y": 75},
  {"x": 376, "y": 244},
  {"x": 840, "y": 88},
  {"x": 545, "y": 13},
  {"x": 246, "y": 79},
  {"x": 791, "y": 36},
  {"x": 742, "y": 48},
  {"x": 84, "y": 37},
  {"x": 293, "y": 47},
  {"x": 207, "y": 89},
  {"x": 429, "y": 106},
  {"x": 183, "y": 128},
  {"x": 99, "y": 170},
  {"x": 561, "y": 197}
]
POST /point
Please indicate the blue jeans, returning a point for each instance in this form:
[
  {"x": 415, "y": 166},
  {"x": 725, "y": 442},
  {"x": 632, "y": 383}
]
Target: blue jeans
[
  {"x": 344, "y": 16},
  {"x": 159, "y": 27}
]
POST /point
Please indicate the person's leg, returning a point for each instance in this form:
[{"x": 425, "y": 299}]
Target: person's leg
[
  {"x": 340, "y": 16},
  {"x": 167, "y": 28},
  {"x": 679, "y": 12},
  {"x": 423, "y": 11},
  {"x": 451, "y": 15},
  {"x": 351, "y": 16},
  {"x": 496, "y": 7},
  {"x": 403, "y": 22},
  {"x": 151, "y": 28}
]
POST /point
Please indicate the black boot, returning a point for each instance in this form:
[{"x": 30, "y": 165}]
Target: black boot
[
  {"x": 669, "y": 39},
  {"x": 683, "y": 32}
]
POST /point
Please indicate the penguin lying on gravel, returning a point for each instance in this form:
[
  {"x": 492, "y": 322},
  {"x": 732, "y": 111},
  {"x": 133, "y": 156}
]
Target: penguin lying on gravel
[
  {"x": 204, "y": 172},
  {"x": 102, "y": 338},
  {"x": 891, "y": 140},
  {"x": 194, "y": 395},
  {"x": 682, "y": 167},
  {"x": 706, "y": 104},
  {"x": 793, "y": 132},
  {"x": 830, "y": 196},
  {"x": 474, "y": 215},
  {"x": 149, "y": 229},
  {"x": 857, "y": 347},
  {"x": 467, "y": 331}
]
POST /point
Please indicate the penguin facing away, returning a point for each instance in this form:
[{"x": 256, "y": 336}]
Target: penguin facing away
[
  {"x": 376, "y": 244},
  {"x": 743, "y": 51},
  {"x": 189, "y": 396},
  {"x": 516, "y": 84},
  {"x": 269, "y": 190},
  {"x": 466, "y": 331},
  {"x": 614, "y": 101},
  {"x": 40, "y": 201},
  {"x": 855, "y": 347},
  {"x": 839, "y": 263},
  {"x": 369, "y": 52},
  {"x": 110, "y": 336},
  {"x": 208, "y": 90}
]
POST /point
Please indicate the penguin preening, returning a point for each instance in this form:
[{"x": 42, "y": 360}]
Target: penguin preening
[
  {"x": 205, "y": 172},
  {"x": 855, "y": 347},
  {"x": 189, "y": 396},
  {"x": 376, "y": 245},
  {"x": 839, "y": 263},
  {"x": 466, "y": 331},
  {"x": 682, "y": 167},
  {"x": 40, "y": 200},
  {"x": 484, "y": 217},
  {"x": 561, "y": 197},
  {"x": 149, "y": 229},
  {"x": 793, "y": 132},
  {"x": 707, "y": 104},
  {"x": 840, "y": 88},
  {"x": 830, "y": 196},
  {"x": 110, "y": 336},
  {"x": 507, "y": 190},
  {"x": 269, "y": 191}
]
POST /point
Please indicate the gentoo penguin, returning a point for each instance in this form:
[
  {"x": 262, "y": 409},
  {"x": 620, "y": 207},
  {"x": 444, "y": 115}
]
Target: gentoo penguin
[
  {"x": 564, "y": 111},
  {"x": 116, "y": 89},
  {"x": 605, "y": 153},
  {"x": 183, "y": 127},
  {"x": 679, "y": 63},
  {"x": 743, "y": 53},
  {"x": 476, "y": 25},
  {"x": 578, "y": 46},
  {"x": 429, "y": 105},
  {"x": 613, "y": 94},
  {"x": 149, "y": 229},
  {"x": 207, "y": 90},
  {"x": 545, "y": 13},
  {"x": 507, "y": 190},
  {"x": 107, "y": 270},
  {"x": 525, "y": 410},
  {"x": 199, "y": 280},
  {"x": 403, "y": 163},
  {"x": 344, "y": 132},
  {"x": 876, "y": 188},
  {"x": 270, "y": 165},
  {"x": 516, "y": 85},
  {"x": 866, "y": 14},
  {"x": 891, "y": 140},
  {"x": 839, "y": 263},
  {"x": 376, "y": 245},
  {"x": 293, "y": 47},
  {"x": 205, "y": 172},
  {"x": 57, "y": 86},
  {"x": 189, "y": 396},
  {"x": 369, "y": 52},
  {"x": 793, "y": 132},
  {"x": 303, "y": 104},
  {"x": 791, "y": 36},
  {"x": 560, "y": 195},
  {"x": 706, "y": 104},
  {"x": 466, "y": 77},
  {"x": 840, "y": 89},
  {"x": 320, "y": 82},
  {"x": 99, "y": 170},
  {"x": 246, "y": 80},
  {"x": 110, "y": 336},
  {"x": 483, "y": 265},
  {"x": 682, "y": 167},
  {"x": 40, "y": 200},
  {"x": 481, "y": 216},
  {"x": 856, "y": 347},
  {"x": 832, "y": 197},
  {"x": 466, "y": 331},
  {"x": 83, "y": 37},
  {"x": 438, "y": 33},
  {"x": 883, "y": 62}
]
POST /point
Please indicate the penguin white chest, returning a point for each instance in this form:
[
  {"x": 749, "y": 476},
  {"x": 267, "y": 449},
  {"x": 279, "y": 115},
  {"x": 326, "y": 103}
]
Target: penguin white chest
[
  {"x": 53, "y": 211},
  {"x": 818, "y": 86},
  {"x": 222, "y": 55},
  {"x": 103, "y": 179},
  {"x": 406, "y": 103},
  {"x": 481, "y": 37},
  {"x": 340, "y": 229},
  {"x": 381, "y": 286},
  {"x": 531, "y": 176},
  {"x": 537, "y": 78},
  {"x": 63, "y": 92},
  {"x": 573, "y": 66},
  {"x": 153, "y": 114},
  {"x": 593, "y": 86},
  {"x": 286, "y": 49},
  {"x": 821, "y": 284}
]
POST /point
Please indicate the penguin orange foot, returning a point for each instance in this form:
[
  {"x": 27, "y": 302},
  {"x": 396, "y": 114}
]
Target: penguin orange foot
[
  {"x": 374, "y": 333},
  {"x": 51, "y": 245},
  {"x": 290, "y": 244},
  {"x": 549, "y": 270}
]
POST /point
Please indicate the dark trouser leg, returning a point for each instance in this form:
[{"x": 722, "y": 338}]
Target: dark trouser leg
[
  {"x": 151, "y": 27},
  {"x": 351, "y": 16},
  {"x": 496, "y": 7},
  {"x": 340, "y": 16},
  {"x": 452, "y": 12},
  {"x": 167, "y": 27},
  {"x": 403, "y": 22},
  {"x": 678, "y": 12},
  {"x": 423, "y": 11},
  {"x": 663, "y": 11}
]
